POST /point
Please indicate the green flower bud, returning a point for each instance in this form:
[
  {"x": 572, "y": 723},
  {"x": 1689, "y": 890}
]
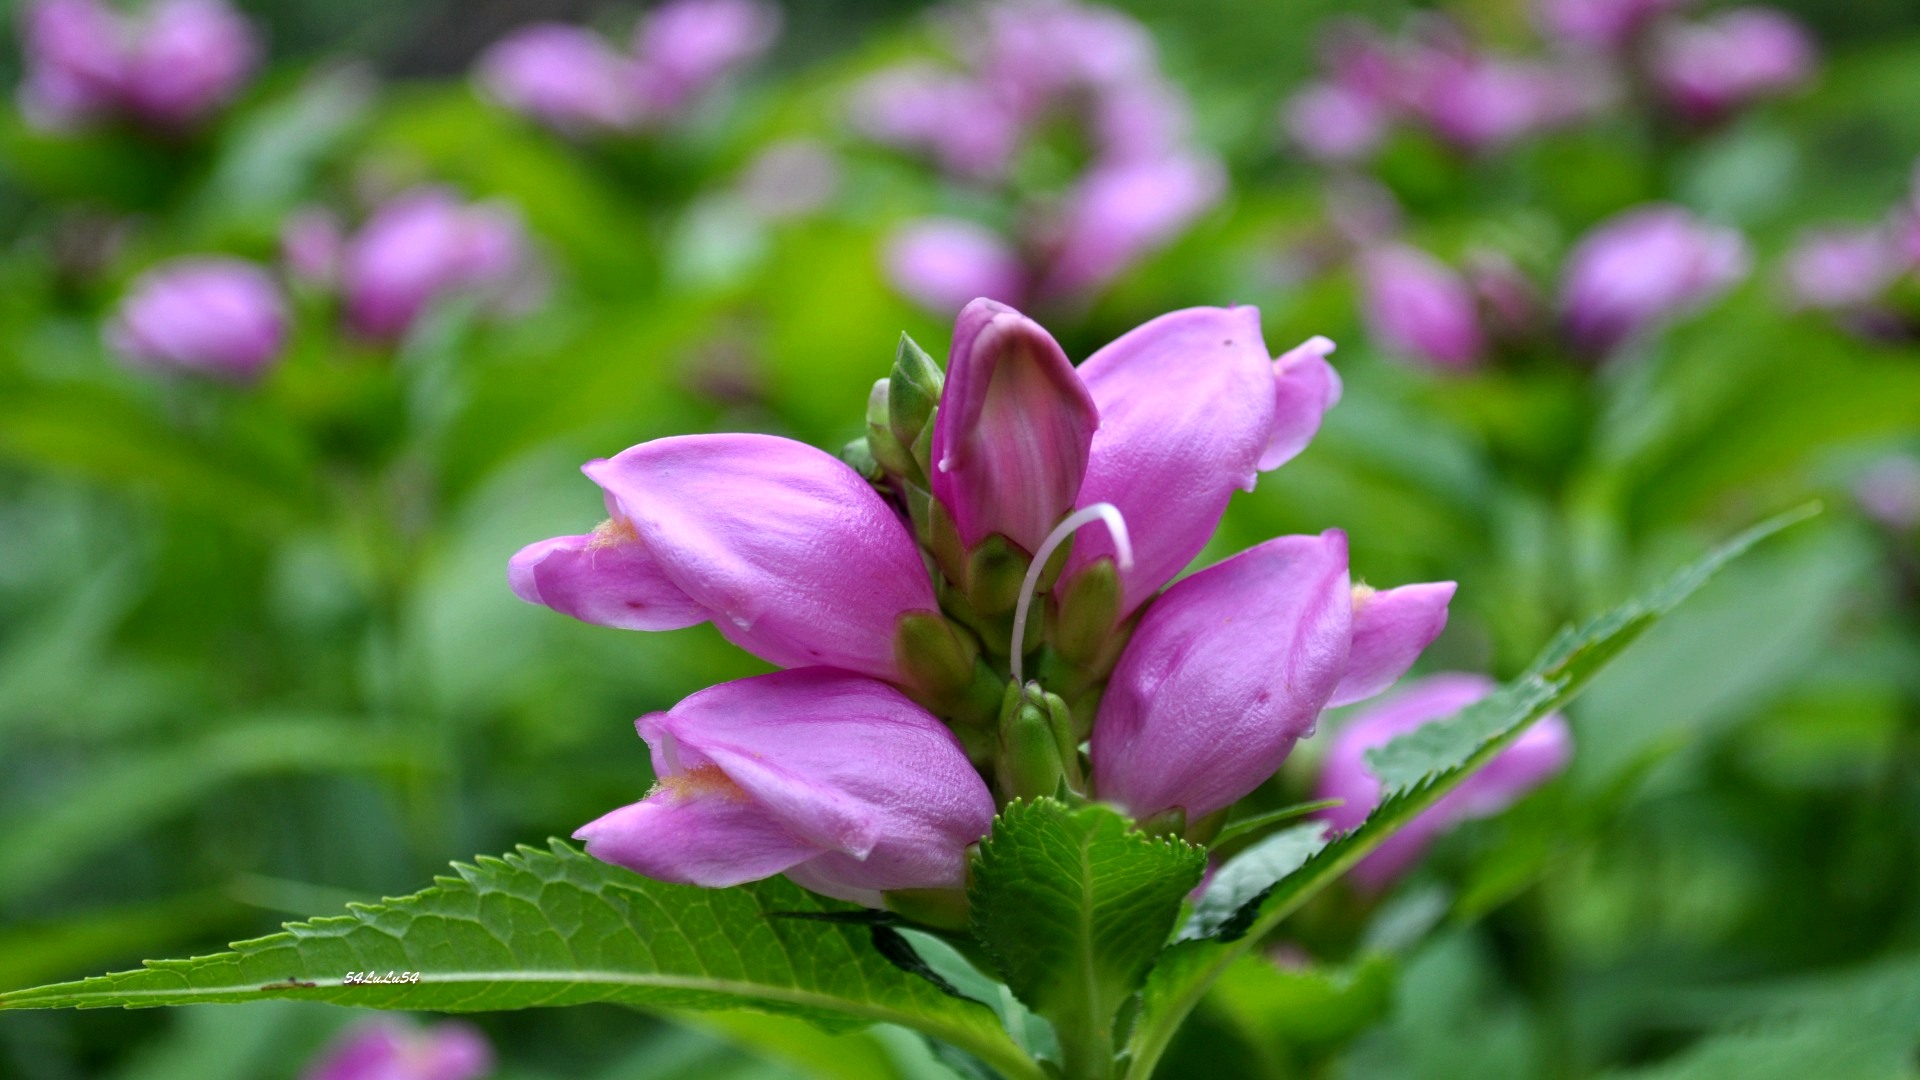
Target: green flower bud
[
  {"x": 914, "y": 392},
  {"x": 892, "y": 456},
  {"x": 935, "y": 656},
  {"x": 995, "y": 570},
  {"x": 1038, "y": 756},
  {"x": 860, "y": 456},
  {"x": 1086, "y": 614}
]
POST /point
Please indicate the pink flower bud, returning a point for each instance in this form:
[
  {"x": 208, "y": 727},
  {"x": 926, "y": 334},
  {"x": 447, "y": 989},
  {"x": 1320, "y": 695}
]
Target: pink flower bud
[
  {"x": 942, "y": 263},
  {"x": 566, "y": 77},
  {"x": 838, "y": 781},
  {"x": 1011, "y": 437},
  {"x": 424, "y": 246},
  {"x": 219, "y": 317},
  {"x": 1419, "y": 307},
  {"x": 1643, "y": 267},
  {"x": 1710, "y": 68},
  {"x": 189, "y": 58},
  {"x": 784, "y": 548},
  {"x": 1538, "y": 755},
  {"x": 1224, "y": 673},
  {"x": 387, "y": 1050},
  {"x": 683, "y": 48}
]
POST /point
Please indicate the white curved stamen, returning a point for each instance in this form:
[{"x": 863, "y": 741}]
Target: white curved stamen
[{"x": 1105, "y": 513}]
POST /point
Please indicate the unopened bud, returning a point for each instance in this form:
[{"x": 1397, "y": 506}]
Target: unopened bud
[
  {"x": 937, "y": 534},
  {"x": 1087, "y": 611},
  {"x": 859, "y": 456},
  {"x": 887, "y": 450},
  {"x": 1165, "y": 823},
  {"x": 995, "y": 569},
  {"x": 1038, "y": 756},
  {"x": 935, "y": 656},
  {"x": 914, "y": 392}
]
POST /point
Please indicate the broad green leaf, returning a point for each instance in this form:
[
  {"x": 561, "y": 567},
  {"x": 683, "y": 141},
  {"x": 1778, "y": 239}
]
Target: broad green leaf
[
  {"x": 555, "y": 927},
  {"x": 1417, "y": 770},
  {"x": 1306, "y": 1006},
  {"x": 1073, "y": 905}
]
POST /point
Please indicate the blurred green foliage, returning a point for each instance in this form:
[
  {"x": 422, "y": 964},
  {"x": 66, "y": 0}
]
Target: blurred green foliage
[{"x": 257, "y": 656}]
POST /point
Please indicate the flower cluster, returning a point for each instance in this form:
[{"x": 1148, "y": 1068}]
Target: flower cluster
[
  {"x": 167, "y": 68},
  {"x": 417, "y": 248},
  {"x": 1631, "y": 275},
  {"x": 576, "y": 81},
  {"x": 950, "y": 642},
  {"x": 1437, "y": 79},
  {"x": 1029, "y": 68}
]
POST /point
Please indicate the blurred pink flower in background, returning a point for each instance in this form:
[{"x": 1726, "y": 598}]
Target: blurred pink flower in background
[
  {"x": 1335, "y": 123},
  {"x": 968, "y": 130},
  {"x": 206, "y": 315},
  {"x": 790, "y": 179},
  {"x": 942, "y": 263},
  {"x": 311, "y": 245},
  {"x": 169, "y": 66},
  {"x": 389, "y": 1050},
  {"x": 575, "y": 81},
  {"x": 1708, "y": 69},
  {"x": 1533, "y": 759},
  {"x": 1417, "y": 306},
  {"x": 566, "y": 77},
  {"x": 423, "y": 246},
  {"x": 1643, "y": 267},
  {"x": 1841, "y": 268},
  {"x": 1600, "y": 24},
  {"x": 1118, "y": 213}
]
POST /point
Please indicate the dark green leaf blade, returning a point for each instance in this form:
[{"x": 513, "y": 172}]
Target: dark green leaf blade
[
  {"x": 1074, "y": 906},
  {"x": 540, "y": 928}
]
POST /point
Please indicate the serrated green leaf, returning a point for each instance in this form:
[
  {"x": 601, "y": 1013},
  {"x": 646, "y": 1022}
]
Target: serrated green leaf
[
  {"x": 555, "y": 927},
  {"x": 1074, "y": 905},
  {"x": 1239, "y": 885},
  {"x": 1417, "y": 770}
]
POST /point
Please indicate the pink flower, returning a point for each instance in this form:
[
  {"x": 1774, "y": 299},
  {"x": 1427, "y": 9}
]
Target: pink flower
[
  {"x": 1332, "y": 122},
  {"x": 1537, "y": 756},
  {"x": 422, "y": 247},
  {"x": 385, "y": 1050},
  {"x": 1478, "y": 102},
  {"x": 1609, "y": 25},
  {"x": 958, "y": 121},
  {"x": 941, "y": 263},
  {"x": 1119, "y": 213},
  {"x": 566, "y": 77},
  {"x": 219, "y": 317},
  {"x": 683, "y": 48},
  {"x": 1839, "y": 269},
  {"x": 1710, "y": 68},
  {"x": 1419, "y": 307},
  {"x": 829, "y": 773},
  {"x": 1642, "y": 268},
  {"x": 838, "y": 781},
  {"x": 169, "y": 67}
]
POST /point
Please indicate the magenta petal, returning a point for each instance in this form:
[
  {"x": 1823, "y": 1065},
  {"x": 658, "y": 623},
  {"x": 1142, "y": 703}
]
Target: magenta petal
[
  {"x": 1225, "y": 672},
  {"x": 1419, "y": 307},
  {"x": 1305, "y": 388},
  {"x": 1186, "y": 412},
  {"x": 716, "y": 839},
  {"x": 1390, "y": 629},
  {"x": 876, "y": 791},
  {"x": 604, "y": 578},
  {"x": 798, "y": 559},
  {"x": 1534, "y": 758},
  {"x": 1011, "y": 438}
]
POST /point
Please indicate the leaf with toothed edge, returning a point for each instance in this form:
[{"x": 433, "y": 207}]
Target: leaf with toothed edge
[
  {"x": 556, "y": 927},
  {"x": 1417, "y": 770}
]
